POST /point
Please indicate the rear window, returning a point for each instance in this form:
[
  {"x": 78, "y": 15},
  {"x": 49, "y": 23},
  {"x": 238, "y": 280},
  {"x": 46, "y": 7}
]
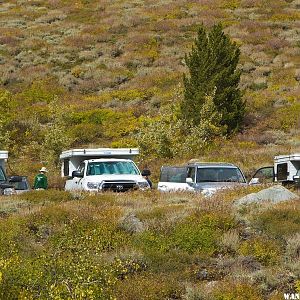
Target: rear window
[{"x": 173, "y": 174}]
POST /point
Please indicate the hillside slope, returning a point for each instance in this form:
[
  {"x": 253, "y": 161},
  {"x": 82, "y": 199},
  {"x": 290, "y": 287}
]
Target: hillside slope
[{"x": 122, "y": 62}]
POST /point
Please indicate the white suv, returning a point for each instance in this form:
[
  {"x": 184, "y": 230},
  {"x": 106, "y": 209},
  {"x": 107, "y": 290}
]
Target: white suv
[{"x": 206, "y": 178}]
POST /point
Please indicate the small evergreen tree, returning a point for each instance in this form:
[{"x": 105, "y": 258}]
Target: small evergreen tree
[{"x": 212, "y": 67}]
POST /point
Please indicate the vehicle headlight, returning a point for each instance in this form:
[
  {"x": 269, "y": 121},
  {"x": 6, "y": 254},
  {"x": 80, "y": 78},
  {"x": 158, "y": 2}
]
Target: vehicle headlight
[
  {"x": 143, "y": 185},
  {"x": 92, "y": 185}
]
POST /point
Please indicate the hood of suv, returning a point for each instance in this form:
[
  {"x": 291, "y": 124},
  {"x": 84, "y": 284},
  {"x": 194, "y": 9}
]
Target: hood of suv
[{"x": 209, "y": 188}]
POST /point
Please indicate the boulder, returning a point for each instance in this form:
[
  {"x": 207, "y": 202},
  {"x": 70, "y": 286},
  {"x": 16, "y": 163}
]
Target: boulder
[{"x": 274, "y": 194}]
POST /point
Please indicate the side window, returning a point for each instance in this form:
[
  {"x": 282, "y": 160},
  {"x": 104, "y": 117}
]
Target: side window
[
  {"x": 173, "y": 174},
  {"x": 191, "y": 173},
  {"x": 66, "y": 167},
  {"x": 265, "y": 175},
  {"x": 282, "y": 172},
  {"x": 81, "y": 168}
]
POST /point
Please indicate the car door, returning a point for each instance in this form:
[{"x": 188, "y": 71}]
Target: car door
[
  {"x": 263, "y": 176},
  {"x": 76, "y": 183},
  {"x": 172, "y": 179}
]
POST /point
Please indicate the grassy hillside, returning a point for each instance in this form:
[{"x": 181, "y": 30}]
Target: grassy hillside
[
  {"x": 91, "y": 74},
  {"x": 121, "y": 62},
  {"x": 147, "y": 246}
]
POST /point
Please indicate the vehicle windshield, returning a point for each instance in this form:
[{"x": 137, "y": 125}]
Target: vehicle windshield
[
  {"x": 22, "y": 185},
  {"x": 219, "y": 174},
  {"x": 2, "y": 175},
  {"x": 173, "y": 174},
  {"x": 112, "y": 167}
]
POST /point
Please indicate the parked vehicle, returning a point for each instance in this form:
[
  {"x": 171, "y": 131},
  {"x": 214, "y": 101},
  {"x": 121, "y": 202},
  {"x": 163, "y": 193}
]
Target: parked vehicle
[
  {"x": 286, "y": 170},
  {"x": 102, "y": 169},
  {"x": 202, "y": 177},
  {"x": 6, "y": 184},
  {"x": 20, "y": 184}
]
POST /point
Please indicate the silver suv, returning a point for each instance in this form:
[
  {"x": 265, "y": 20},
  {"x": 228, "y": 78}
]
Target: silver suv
[{"x": 206, "y": 178}]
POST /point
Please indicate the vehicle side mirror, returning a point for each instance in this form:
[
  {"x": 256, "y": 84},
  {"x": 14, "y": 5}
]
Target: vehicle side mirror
[
  {"x": 146, "y": 172},
  {"x": 254, "y": 181},
  {"x": 189, "y": 180},
  {"x": 15, "y": 179},
  {"x": 77, "y": 174},
  {"x": 296, "y": 177}
]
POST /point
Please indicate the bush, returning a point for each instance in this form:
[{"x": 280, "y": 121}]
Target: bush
[
  {"x": 196, "y": 234},
  {"x": 239, "y": 291},
  {"x": 46, "y": 196},
  {"x": 265, "y": 251},
  {"x": 86, "y": 132},
  {"x": 151, "y": 287},
  {"x": 56, "y": 253},
  {"x": 278, "y": 222}
]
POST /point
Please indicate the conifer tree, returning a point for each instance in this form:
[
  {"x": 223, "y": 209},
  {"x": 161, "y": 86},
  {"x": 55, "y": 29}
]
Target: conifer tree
[{"x": 212, "y": 66}]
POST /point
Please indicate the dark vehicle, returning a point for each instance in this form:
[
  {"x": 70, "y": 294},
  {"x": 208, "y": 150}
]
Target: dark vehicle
[
  {"x": 7, "y": 185},
  {"x": 20, "y": 184}
]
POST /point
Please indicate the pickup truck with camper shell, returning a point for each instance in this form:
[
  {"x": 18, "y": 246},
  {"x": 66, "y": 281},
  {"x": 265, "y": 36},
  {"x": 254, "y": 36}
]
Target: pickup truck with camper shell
[
  {"x": 285, "y": 170},
  {"x": 102, "y": 169},
  {"x": 204, "y": 177}
]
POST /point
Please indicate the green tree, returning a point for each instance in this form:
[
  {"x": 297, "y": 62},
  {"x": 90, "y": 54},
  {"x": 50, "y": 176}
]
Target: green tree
[{"x": 212, "y": 67}]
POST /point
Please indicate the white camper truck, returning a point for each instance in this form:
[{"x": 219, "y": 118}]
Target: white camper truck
[
  {"x": 103, "y": 169},
  {"x": 286, "y": 170}
]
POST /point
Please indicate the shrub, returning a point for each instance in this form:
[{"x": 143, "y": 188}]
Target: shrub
[
  {"x": 154, "y": 287},
  {"x": 293, "y": 247},
  {"x": 46, "y": 196},
  {"x": 277, "y": 222},
  {"x": 86, "y": 132},
  {"x": 195, "y": 234},
  {"x": 239, "y": 291},
  {"x": 265, "y": 251},
  {"x": 230, "y": 240},
  {"x": 56, "y": 253},
  {"x": 286, "y": 118}
]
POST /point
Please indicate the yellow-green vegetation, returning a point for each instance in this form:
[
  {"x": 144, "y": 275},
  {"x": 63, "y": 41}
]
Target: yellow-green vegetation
[
  {"x": 58, "y": 245},
  {"x": 109, "y": 74},
  {"x": 108, "y": 67}
]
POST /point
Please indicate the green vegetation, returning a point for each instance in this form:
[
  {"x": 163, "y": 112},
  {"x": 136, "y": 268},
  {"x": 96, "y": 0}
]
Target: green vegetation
[
  {"x": 110, "y": 74},
  {"x": 62, "y": 246},
  {"x": 212, "y": 71}
]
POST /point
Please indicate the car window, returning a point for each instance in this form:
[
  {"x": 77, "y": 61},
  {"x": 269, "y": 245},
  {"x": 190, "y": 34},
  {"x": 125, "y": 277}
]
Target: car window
[
  {"x": 265, "y": 175},
  {"x": 81, "y": 168},
  {"x": 112, "y": 167},
  {"x": 219, "y": 174},
  {"x": 191, "y": 173},
  {"x": 173, "y": 174},
  {"x": 2, "y": 175},
  {"x": 20, "y": 185}
]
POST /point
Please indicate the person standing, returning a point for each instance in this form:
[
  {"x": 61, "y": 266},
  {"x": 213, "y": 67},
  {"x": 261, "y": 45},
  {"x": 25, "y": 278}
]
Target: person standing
[{"x": 40, "y": 180}]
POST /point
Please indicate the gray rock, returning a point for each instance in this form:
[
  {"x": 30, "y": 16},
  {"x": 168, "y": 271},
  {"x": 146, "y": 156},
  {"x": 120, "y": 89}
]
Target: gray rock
[
  {"x": 275, "y": 194},
  {"x": 132, "y": 224}
]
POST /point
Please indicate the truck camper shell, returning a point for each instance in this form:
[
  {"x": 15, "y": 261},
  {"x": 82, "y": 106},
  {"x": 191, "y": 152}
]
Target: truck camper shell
[
  {"x": 71, "y": 159},
  {"x": 285, "y": 170},
  {"x": 286, "y": 167}
]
